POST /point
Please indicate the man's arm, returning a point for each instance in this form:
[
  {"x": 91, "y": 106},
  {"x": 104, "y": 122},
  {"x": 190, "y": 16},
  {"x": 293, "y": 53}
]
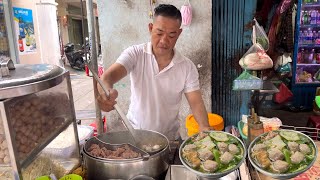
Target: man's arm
[
  {"x": 198, "y": 109},
  {"x": 112, "y": 75}
]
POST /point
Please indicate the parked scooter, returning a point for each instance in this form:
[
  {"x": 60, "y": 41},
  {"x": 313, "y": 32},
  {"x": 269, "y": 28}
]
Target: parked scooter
[{"x": 75, "y": 57}]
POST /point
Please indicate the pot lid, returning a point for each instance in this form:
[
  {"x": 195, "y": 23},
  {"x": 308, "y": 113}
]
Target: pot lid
[{"x": 29, "y": 73}]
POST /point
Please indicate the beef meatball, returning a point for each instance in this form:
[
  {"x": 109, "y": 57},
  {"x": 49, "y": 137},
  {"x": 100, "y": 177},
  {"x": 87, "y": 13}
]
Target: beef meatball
[
  {"x": 304, "y": 148},
  {"x": 297, "y": 157},
  {"x": 205, "y": 154},
  {"x": 226, "y": 157},
  {"x": 279, "y": 166},
  {"x": 275, "y": 154},
  {"x": 293, "y": 146},
  {"x": 233, "y": 149},
  {"x": 223, "y": 147},
  {"x": 210, "y": 166}
]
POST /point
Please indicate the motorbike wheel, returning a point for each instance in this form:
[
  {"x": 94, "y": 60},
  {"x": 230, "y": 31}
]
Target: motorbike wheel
[{"x": 80, "y": 63}]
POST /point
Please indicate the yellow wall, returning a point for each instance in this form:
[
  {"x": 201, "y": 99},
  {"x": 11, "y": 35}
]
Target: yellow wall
[{"x": 34, "y": 58}]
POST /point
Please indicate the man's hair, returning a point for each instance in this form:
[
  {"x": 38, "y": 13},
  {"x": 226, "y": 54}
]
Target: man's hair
[{"x": 167, "y": 10}]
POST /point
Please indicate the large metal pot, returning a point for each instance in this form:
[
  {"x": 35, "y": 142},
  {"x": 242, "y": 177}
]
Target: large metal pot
[{"x": 153, "y": 166}]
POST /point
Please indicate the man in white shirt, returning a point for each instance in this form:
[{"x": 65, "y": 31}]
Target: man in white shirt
[{"x": 159, "y": 76}]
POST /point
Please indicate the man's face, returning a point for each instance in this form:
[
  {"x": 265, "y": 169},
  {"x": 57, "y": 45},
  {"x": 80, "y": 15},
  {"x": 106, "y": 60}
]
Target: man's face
[{"x": 164, "y": 34}]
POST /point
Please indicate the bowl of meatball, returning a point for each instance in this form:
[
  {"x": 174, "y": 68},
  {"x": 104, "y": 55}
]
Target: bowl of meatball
[
  {"x": 282, "y": 154},
  {"x": 212, "y": 154}
]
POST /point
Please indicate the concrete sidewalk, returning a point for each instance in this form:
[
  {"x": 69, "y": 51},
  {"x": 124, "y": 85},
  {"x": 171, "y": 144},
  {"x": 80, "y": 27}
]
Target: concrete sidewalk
[{"x": 83, "y": 96}]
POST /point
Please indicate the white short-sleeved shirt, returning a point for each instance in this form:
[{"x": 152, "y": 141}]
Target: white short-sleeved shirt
[{"x": 156, "y": 96}]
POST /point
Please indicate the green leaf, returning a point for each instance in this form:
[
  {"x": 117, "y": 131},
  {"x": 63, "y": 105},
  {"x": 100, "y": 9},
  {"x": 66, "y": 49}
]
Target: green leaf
[{"x": 219, "y": 136}]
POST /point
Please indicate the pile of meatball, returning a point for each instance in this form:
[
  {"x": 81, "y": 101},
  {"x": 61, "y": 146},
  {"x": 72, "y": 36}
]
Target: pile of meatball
[{"x": 35, "y": 117}]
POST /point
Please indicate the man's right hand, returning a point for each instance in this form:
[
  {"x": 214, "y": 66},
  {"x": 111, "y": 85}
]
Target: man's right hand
[{"x": 107, "y": 103}]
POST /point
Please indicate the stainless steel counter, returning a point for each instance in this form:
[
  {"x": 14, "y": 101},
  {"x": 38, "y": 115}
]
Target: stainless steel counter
[{"x": 178, "y": 172}]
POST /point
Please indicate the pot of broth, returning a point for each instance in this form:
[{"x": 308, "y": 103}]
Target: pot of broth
[{"x": 112, "y": 155}]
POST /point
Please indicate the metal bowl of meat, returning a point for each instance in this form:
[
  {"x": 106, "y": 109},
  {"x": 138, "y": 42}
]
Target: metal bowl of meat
[
  {"x": 282, "y": 154},
  {"x": 113, "y": 156},
  {"x": 212, "y": 154}
]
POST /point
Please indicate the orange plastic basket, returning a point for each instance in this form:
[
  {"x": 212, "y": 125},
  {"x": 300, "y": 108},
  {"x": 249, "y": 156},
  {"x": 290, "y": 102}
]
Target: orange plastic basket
[{"x": 215, "y": 121}]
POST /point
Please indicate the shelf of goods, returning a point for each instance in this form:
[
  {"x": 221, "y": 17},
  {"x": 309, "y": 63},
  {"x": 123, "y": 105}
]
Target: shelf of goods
[
  {"x": 307, "y": 63},
  {"x": 36, "y": 106}
]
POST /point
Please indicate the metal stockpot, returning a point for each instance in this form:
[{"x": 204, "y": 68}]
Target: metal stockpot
[{"x": 154, "y": 166}]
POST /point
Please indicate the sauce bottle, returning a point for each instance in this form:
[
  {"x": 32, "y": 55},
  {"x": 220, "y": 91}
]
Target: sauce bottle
[{"x": 255, "y": 127}]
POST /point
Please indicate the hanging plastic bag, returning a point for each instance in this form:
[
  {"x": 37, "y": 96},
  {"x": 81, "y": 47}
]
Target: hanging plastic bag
[
  {"x": 283, "y": 95},
  {"x": 284, "y": 69},
  {"x": 282, "y": 60},
  {"x": 247, "y": 81},
  {"x": 186, "y": 13},
  {"x": 256, "y": 59},
  {"x": 259, "y": 35}
]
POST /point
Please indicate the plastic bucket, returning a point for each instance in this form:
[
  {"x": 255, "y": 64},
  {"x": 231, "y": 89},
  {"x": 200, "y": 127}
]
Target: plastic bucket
[
  {"x": 71, "y": 177},
  {"x": 215, "y": 121}
]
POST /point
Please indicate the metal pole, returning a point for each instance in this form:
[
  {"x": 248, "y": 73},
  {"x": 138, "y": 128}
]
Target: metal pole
[
  {"x": 83, "y": 34},
  {"x": 10, "y": 29},
  {"x": 93, "y": 50}
]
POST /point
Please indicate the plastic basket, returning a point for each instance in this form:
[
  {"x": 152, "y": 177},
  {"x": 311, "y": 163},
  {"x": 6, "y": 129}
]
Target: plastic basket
[
  {"x": 247, "y": 84},
  {"x": 71, "y": 177},
  {"x": 215, "y": 121}
]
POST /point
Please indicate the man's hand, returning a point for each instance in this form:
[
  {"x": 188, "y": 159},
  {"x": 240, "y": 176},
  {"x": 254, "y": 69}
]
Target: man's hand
[
  {"x": 207, "y": 128},
  {"x": 107, "y": 103},
  {"x": 112, "y": 75}
]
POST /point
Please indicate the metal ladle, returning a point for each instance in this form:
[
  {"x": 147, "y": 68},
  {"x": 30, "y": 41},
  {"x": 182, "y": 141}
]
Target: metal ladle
[
  {"x": 122, "y": 115},
  {"x": 118, "y": 109}
]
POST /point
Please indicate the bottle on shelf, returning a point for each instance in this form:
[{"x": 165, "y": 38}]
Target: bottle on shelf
[
  {"x": 318, "y": 57},
  {"x": 299, "y": 57},
  {"x": 318, "y": 17},
  {"x": 301, "y": 37},
  {"x": 310, "y": 56},
  {"x": 314, "y": 37},
  {"x": 305, "y": 37},
  {"x": 302, "y": 55},
  {"x": 309, "y": 37},
  {"x": 305, "y": 18},
  {"x": 306, "y": 55},
  {"x": 313, "y": 19},
  {"x": 314, "y": 60}
]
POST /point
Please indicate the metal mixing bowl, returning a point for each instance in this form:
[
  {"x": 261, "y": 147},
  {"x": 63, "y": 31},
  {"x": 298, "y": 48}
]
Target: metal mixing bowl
[
  {"x": 280, "y": 176},
  {"x": 212, "y": 175}
]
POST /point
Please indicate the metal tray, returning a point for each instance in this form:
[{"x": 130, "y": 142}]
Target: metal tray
[{"x": 178, "y": 172}]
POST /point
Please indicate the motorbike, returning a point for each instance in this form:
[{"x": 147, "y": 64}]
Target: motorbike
[{"x": 74, "y": 56}]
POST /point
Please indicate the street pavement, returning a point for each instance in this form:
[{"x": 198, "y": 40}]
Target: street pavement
[{"x": 83, "y": 96}]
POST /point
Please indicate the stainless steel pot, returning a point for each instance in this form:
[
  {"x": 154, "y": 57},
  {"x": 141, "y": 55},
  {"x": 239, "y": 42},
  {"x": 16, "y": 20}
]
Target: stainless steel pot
[{"x": 153, "y": 166}]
